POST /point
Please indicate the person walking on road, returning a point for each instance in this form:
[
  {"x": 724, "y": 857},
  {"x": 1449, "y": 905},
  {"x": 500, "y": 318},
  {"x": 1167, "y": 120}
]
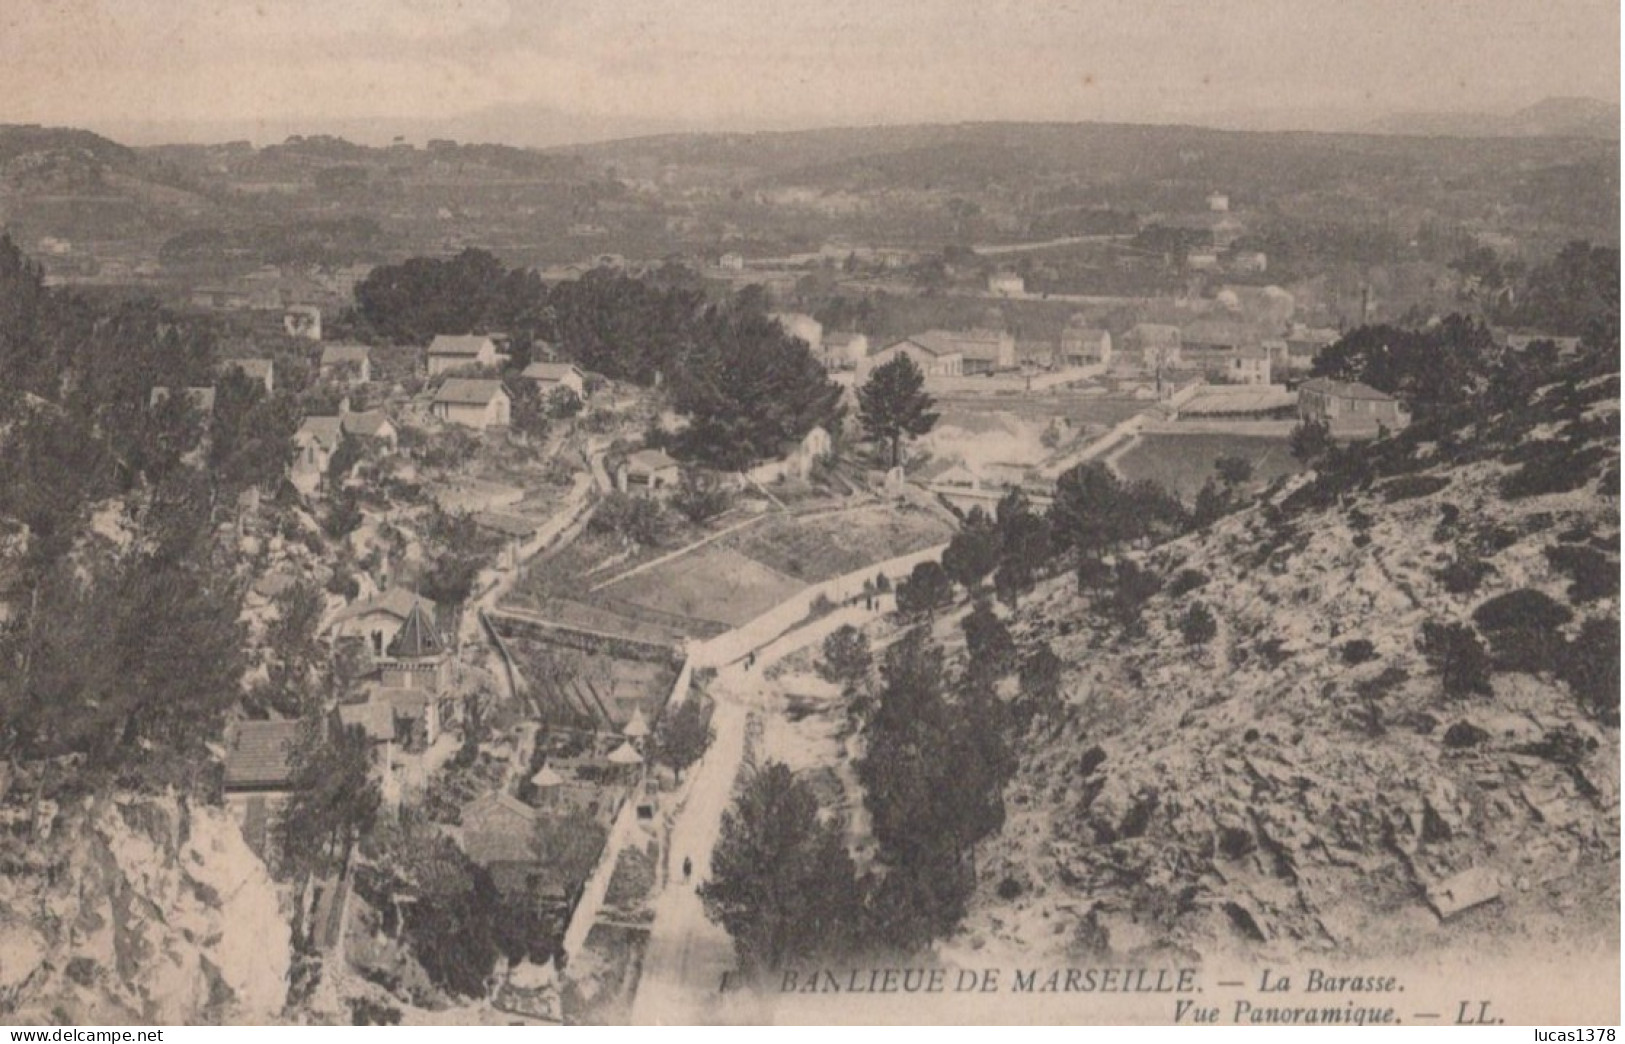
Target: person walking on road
[{"x": 688, "y": 868}]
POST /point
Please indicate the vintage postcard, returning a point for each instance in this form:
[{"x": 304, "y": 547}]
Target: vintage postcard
[{"x": 1089, "y": 512}]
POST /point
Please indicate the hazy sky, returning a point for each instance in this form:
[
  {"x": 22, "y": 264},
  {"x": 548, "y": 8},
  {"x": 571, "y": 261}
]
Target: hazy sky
[{"x": 752, "y": 63}]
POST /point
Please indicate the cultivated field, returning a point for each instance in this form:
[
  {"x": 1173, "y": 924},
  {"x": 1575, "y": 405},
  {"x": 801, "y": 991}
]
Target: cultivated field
[
  {"x": 826, "y": 546},
  {"x": 714, "y": 583}
]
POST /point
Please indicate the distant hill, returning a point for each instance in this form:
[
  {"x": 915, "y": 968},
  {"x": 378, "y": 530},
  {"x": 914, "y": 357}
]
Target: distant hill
[
  {"x": 1148, "y": 162},
  {"x": 1551, "y": 118}
]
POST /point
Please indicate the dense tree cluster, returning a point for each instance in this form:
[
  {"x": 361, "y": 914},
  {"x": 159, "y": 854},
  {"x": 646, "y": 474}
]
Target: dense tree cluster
[
  {"x": 126, "y": 646},
  {"x": 748, "y": 388},
  {"x": 933, "y": 771}
]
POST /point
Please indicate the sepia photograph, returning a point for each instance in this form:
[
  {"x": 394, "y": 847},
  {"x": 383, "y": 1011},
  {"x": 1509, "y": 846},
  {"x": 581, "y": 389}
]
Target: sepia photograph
[{"x": 960, "y": 512}]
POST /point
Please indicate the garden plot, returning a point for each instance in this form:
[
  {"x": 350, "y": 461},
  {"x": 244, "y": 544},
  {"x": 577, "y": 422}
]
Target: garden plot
[
  {"x": 823, "y": 547},
  {"x": 714, "y": 583}
]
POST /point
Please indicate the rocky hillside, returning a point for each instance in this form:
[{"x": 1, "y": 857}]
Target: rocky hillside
[
  {"x": 1309, "y": 774},
  {"x": 141, "y": 910}
]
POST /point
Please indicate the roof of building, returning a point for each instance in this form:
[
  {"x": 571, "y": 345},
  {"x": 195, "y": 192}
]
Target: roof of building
[
  {"x": 260, "y": 753},
  {"x": 550, "y": 371},
  {"x": 328, "y": 431},
  {"x": 972, "y": 344},
  {"x": 336, "y": 354},
  {"x": 1252, "y": 353},
  {"x": 937, "y": 351},
  {"x": 367, "y": 424},
  {"x": 1346, "y": 389},
  {"x": 649, "y": 461},
  {"x": 499, "y": 844},
  {"x": 397, "y": 602},
  {"x": 839, "y": 339},
  {"x": 376, "y": 718},
  {"x": 419, "y": 638},
  {"x": 461, "y": 344},
  {"x": 468, "y": 391}
]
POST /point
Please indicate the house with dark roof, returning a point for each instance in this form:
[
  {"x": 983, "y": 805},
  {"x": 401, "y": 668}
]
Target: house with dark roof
[
  {"x": 549, "y": 376},
  {"x": 379, "y": 619},
  {"x": 260, "y": 756},
  {"x": 454, "y": 351},
  {"x": 473, "y": 403},
  {"x": 1350, "y": 408},
  {"x": 498, "y": 831},
  {"x": 373, "y": 425},
  {"x": 346, "y": 363}
]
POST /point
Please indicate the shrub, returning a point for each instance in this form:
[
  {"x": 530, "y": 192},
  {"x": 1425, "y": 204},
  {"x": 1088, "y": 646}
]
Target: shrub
[
  {"x": 1590, "y": 667},
  {"x": 927, "y": 588},
  {"x": 1197, "y": 625},
  {"x": 1593, "y": 575},
  {"x": 1464, "y": 574},
  {"x": 1558, "y": 467},
  {"x": 1358, "y": 651},
  {"x": 344, "y": 584},
  {"x": 1009, "y": 888},
  {"x": 1464, "y": 734},
  {"x": 1522, "y": 628},
  {"x": 1185, "y": 582},
  {"x": 1132, "y": 587},
  {"x": 700, "y": 496},
  {"x": 635, "y": 519},
  {"x": 1454, "y": 651},
  {"x": 1409, "y": 487},
  {"x": 1390, "y": 679}
]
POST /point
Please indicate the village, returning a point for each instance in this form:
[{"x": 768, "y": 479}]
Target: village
[
  {"x": 568, "y": 682},
  {"x": 541, "y": 484}
]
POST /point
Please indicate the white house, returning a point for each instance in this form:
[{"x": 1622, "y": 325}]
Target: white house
[
  {"x": 472, "y": 402},
  {"x": 314, "y": 443},
  {"x": 647, "y": 470},
  {"x": 550, "y": 375},
  {"x": 1085, "y": 346},
  {"x": 451, "y": 352},
  {"x": 732, "y": 262},
  {"x": 979, "y": 351},
  {"x": 1250, "y": 366},
  {"x": 347, "y": 363}
]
